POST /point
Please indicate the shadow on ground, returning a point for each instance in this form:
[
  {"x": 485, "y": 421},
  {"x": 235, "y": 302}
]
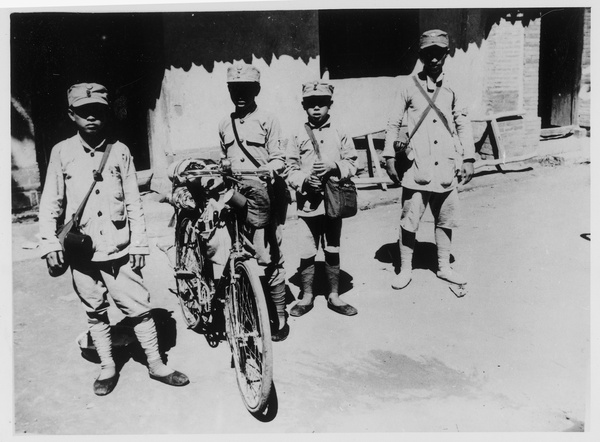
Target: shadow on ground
[
  {"x": 424, "y": 257},
  {"x": 320, "y": 282},
  {"x": 126, "y": 346}
]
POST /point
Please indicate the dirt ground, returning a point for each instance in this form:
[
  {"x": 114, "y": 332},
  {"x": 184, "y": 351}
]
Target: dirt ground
[{"x": 511, "y": 356}]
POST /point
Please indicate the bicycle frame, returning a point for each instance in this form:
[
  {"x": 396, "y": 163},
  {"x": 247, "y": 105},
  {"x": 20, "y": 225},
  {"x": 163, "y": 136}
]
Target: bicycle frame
[{"x": 241, "y": 300}]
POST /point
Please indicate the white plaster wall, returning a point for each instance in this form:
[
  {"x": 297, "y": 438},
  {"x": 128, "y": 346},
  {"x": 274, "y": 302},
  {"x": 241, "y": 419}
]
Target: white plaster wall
[
  {"x": 363, "y": 104},
  {"x": 192, "y": 103}
]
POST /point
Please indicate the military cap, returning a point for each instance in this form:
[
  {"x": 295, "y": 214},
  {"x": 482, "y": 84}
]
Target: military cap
[
  {"x": 435, "y": 37},
  {"x": 316, "y": 89},
  {"x": 241, "y": 72},
  {"x": 86, "y": 93}
]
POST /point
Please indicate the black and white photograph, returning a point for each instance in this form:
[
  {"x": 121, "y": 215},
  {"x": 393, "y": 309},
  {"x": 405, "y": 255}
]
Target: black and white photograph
[{"x": 247, "y": 220}]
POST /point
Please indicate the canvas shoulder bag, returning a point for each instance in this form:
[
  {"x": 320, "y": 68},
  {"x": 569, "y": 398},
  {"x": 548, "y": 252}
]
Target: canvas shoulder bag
[
  {"x": 340, "y": 196},
  {"x": 76, "y": 245},
  {"x": 278, "y": 193}
]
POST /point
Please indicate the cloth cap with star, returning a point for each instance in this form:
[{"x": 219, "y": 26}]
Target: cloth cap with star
[{"x": 87, "y": 93}]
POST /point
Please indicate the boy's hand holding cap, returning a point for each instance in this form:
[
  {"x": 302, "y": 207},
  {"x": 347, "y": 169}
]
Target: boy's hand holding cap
[{"x": 87, "y": 93}]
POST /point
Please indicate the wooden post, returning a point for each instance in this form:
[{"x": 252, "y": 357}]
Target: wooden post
[{"x": 375, "y": 161}]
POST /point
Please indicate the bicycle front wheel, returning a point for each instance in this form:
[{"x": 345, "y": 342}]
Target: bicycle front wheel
[
  {"x": 193, "y": 290},
  {"x": 249, "y": 335}
]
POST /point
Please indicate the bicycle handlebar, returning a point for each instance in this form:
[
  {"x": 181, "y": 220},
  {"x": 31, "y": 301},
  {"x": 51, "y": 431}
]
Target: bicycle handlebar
[{"x": 199, "y": 173}]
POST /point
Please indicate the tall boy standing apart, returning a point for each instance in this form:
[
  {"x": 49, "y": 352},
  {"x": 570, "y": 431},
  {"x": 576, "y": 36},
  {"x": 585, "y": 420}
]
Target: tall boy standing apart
[
  {"x": 251, "y": 132},
  {"x": 441, "y": 148},
  {"x": 336, "y": 158},
  {"x": 114, "y": 219}
]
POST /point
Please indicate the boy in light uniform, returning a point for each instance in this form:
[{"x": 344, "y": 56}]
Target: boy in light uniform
[
  {"x": 113, "y": 217},
  {"x": 441, "y": 150},
  {"x": 338, "y": 159},
  {"x": 259, "y": 134}
]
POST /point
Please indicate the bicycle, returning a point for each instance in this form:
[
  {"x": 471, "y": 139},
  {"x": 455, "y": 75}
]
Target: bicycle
[{"x": 231, "y": 307}]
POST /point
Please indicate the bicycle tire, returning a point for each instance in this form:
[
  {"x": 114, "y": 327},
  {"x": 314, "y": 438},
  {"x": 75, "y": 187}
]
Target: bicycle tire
[
  {"x": 249, "y": 336},
  {"x": 192, "y": 289}
]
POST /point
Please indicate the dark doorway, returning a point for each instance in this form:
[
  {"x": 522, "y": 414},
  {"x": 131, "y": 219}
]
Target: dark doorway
[
  {"x": 368, "y": 43},
  {"x": 561, "y": 46},
  {"x": 51, "y": 51}
]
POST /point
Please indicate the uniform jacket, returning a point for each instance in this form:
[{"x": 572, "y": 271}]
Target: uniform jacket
[
  {"x": 335, "y": 146},
  {"x": 260, "y": 132},
  {"x": 438, "y": 154},
  {"x": 113, "y": 215}
]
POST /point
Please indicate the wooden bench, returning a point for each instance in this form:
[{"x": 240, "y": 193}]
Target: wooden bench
[
  {"x": 492, "y": 131},
  {"x": 376, "y": 174}
]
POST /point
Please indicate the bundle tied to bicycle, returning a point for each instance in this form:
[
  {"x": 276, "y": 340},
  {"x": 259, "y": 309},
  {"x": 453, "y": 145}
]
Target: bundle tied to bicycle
[{"x": 207, "y": 196}]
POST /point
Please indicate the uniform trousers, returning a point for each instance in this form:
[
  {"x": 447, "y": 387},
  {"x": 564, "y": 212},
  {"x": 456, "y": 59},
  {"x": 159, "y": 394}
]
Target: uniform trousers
[{"x": 94, "y": 281}]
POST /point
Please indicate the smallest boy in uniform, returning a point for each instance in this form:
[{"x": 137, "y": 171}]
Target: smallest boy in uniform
[{"x": 337, "y": 159}]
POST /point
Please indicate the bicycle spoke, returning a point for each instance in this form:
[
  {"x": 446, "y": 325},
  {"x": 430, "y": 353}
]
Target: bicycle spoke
[{"x": 247, "y": 342}]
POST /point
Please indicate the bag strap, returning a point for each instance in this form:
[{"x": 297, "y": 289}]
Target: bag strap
[
  {"x": 423, "y": 115},
  {"x": 313, "y": 140},
  {"x": 431, "y": 102},
  {"x": 97, "y": 177},
  {"x": 237, "y": 139}
]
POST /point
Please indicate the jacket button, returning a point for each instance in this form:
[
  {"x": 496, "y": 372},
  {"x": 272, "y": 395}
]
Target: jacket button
[
  {"x": 99, "y": 213},
  {"x": 436, "y": 163},
  {"x": 435, "y": 121},
  {"x": 92, "y": 154},
  {"x": 242, "y": 159},
  {"x": 97, "y": 191},
  {"x": 435, "y": 142}
]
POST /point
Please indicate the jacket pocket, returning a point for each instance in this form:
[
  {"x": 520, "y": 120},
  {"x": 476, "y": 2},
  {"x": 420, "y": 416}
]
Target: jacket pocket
[
  {"x": 117, "y": 210},
  {"x": 117, "y": 197},
  {"x": 422, "y": 168},
  {"x": 256, "y": 140},
  {"x": 447, "y": 171}
]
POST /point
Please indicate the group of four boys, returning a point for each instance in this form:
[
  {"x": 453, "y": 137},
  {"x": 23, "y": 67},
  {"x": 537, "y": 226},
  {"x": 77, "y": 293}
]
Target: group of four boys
[{"x": 114, "y": 218}]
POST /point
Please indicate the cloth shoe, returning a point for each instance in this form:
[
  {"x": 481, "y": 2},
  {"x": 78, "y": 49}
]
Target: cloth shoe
[
  {"x": 402, "y": 279},
  {"x": 346, "y": 309},
  {"x": 102, "y": 387},
  {"x": 281, "y": 334},
  {"x": 175, "y": 379},
  {"x": 301, "y": 309},
  {"x": 448, "y": 274}
]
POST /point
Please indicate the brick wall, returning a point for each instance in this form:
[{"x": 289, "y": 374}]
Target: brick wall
[
  {"x": 583, "y": 109},
  {"x": 511, "y": 84}
]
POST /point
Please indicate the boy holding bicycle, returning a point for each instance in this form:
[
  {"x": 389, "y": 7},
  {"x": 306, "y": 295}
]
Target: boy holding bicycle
[
  {"x": 309, "y": 165},
  {"x": 251, "y": 138},
  {"x": 113, "y": 217}
]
